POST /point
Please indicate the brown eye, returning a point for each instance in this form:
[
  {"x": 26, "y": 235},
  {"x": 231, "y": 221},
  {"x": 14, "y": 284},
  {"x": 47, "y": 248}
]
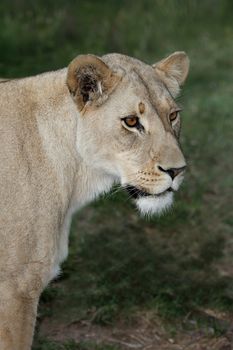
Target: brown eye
[
  {"x": 131, "y": 121},
  {"x": 173, "y": 116}
]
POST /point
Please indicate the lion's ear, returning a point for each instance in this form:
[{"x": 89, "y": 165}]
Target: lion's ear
[
  {"x": 90, "y": 80},
  {"x": 173, "y": 70}
]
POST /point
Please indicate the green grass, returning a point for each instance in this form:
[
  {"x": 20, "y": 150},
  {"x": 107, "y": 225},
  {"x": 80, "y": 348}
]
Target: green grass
[{"x": 120, "y": 263}]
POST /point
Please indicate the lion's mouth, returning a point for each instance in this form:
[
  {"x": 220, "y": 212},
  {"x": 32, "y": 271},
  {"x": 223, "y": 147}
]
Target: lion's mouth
[{"x": 136, "y": 193}]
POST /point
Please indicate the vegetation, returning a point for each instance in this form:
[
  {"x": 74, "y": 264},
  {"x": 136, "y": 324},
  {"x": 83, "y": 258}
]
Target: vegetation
[{"x": 179, "y": 266}]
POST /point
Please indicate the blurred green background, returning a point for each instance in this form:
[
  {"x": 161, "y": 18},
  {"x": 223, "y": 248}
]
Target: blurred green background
[{"x": 179, "y": 266}]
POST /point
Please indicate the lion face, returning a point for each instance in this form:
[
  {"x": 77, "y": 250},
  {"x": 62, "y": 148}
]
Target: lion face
[{"x": 129, "y": 123}]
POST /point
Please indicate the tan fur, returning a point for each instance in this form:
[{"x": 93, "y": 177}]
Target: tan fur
[{"x": 56, "y": 155}]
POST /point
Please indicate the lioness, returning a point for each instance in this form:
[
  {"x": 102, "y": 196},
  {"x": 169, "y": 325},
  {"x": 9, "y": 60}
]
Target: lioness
[{"x": 66, "y": 137}]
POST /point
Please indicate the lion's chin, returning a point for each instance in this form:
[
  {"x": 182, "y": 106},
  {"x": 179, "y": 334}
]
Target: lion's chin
[{"x": 151, "y": 205}]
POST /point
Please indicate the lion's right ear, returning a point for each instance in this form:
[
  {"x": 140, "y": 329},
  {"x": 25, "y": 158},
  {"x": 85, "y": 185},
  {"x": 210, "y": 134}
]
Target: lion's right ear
[
  {"x": 90, "y": 81},
  {"x": 173, "y": 71}
]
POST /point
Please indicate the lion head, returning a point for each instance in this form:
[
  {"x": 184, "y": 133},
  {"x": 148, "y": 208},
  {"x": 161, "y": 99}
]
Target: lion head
[{"x": 129, "y": 122}]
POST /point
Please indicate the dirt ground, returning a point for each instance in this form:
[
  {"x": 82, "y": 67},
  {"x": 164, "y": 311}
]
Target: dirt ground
[{"x": 146, "y": 333}]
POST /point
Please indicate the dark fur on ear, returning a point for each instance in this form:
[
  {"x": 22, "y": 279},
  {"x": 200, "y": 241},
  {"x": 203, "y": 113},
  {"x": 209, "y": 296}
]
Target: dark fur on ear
[{"x": 89, "y": 79}]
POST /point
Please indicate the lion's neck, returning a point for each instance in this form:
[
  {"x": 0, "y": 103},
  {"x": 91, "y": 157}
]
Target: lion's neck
[
  {"x": 57, "y": 124},
  {"x": 91, "y": 183}
]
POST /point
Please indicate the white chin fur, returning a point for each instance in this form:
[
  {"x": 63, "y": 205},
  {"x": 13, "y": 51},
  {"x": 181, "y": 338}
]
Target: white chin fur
[{"x": 154, "y": 205}]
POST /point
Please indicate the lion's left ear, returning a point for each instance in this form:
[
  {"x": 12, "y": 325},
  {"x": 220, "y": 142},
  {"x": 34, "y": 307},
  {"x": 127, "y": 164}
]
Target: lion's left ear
[
  {"x": 173, "y": 71},
  {"x": 90, "y": 81}
]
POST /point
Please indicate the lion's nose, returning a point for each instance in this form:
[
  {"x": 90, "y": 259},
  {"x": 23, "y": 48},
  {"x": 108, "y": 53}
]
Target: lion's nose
[{"x": 173, "y": 172}]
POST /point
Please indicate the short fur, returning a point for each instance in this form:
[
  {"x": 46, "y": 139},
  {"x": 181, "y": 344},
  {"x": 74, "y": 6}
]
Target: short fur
[{"x": 64, "y": 142}]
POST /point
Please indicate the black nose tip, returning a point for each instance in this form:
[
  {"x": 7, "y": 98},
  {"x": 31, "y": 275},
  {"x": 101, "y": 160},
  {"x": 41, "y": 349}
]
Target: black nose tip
[{"x": 173, "y": 172}]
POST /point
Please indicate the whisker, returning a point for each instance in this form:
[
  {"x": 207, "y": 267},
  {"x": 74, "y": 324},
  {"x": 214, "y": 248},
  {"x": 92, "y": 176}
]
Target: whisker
[
  {"x": 114, "y": 191},
  {"x": 131, "y": 195}
]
